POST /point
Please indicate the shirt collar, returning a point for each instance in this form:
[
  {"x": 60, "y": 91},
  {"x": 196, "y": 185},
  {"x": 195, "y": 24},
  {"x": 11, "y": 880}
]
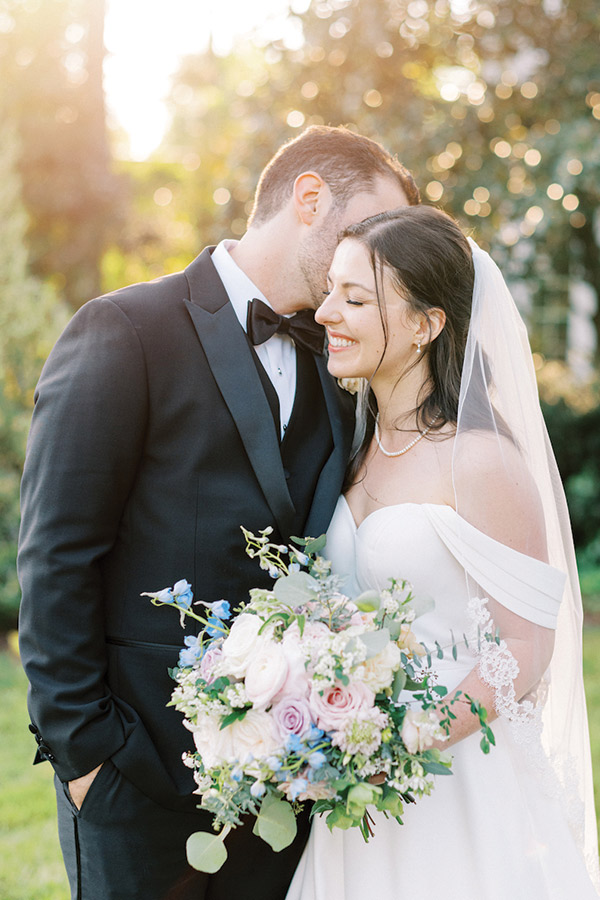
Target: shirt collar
[{"x": 240, "y": 289}]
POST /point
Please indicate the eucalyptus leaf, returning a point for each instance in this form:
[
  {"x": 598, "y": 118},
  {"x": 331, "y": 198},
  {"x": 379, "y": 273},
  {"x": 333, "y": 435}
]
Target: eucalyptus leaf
[
  {"x": 205, "y": 852},
  {"x": 422, "y": 604},
  {"x": 316, "y": 544},
  {"x": 375, "y": 641},
  {"x": 394, "y": 628},
  {"x": 435, "y": 768},
  {"x": 295, "y": 589},
  {"x": 398, "y": 683},
  {"x": 368, "y": 601},
  {"x": 276, "y": 823}
]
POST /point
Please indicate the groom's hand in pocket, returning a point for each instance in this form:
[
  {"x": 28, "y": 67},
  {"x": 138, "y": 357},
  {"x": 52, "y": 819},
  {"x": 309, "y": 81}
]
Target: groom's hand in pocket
[{"x": 79, "y": 787}]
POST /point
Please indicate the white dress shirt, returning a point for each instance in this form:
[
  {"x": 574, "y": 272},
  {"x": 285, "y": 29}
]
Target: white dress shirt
[{"x": 278, "y": 354}]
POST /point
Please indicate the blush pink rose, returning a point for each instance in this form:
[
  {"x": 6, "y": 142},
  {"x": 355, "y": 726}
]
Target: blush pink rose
[
  {"x": 291, "y": 716},
  {"x": 338, "y": 703},
  {"x": 208, "y": 663}
]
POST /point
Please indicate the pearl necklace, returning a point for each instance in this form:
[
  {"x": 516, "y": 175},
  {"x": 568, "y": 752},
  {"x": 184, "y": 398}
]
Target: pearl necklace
[{"x": 408, "y": 446}]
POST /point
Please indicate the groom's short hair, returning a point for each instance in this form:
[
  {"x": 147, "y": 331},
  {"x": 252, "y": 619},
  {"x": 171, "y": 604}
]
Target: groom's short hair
[{"x": 349, "y": 163}]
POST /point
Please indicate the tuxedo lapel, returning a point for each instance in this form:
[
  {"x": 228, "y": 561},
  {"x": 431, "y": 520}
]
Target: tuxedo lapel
[
  {"x": 340, "y": 407},
  {"x": 229, "y": 357}
]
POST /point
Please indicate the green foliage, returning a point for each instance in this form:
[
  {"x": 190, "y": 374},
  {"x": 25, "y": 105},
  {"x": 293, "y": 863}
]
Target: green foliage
[
  {"x": 491, "y": 107},
  {"x": 30, "y": 319},
  {"x": 276, "y": 823},
  {"x": 575, "y": 438},
  {"x": 206, "y": 852},
  {"x": 30, "y": 863},
  {"x": 51, "y": 57}
]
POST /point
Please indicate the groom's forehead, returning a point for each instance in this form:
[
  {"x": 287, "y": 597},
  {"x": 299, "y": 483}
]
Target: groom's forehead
[{"x": 385, "y": 194}]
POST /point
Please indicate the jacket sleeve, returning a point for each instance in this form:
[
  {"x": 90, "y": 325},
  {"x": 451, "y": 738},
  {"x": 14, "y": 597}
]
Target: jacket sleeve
[{"x": 85, "y": 443}]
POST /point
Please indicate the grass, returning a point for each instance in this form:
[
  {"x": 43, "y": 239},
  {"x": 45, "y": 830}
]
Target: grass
[{"x": 30, "y": 861}]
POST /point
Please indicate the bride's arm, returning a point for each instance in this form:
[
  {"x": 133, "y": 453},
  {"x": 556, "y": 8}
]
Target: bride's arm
[{"x": 503, "y": 503}]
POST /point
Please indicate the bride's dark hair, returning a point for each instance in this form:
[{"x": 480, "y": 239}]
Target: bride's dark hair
[{"x": 430, "y": 261}]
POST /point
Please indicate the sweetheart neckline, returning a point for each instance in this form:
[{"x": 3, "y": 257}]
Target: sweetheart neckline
[{"x": 393, "y": 506}]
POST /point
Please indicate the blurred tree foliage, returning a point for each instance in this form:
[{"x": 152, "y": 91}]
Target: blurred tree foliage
[
  {"x": 496, "y": 109},
  {"x": 51, "y": 57},
  {"x": 30, "y": 320}
]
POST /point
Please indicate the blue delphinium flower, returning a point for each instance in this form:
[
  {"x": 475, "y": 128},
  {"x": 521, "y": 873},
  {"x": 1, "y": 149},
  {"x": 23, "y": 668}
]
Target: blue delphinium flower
[
  {"x": 183, "y": 594},
  {"x": 221, "y": 609},
  {"x": 313, "y": 735},
  {"x": 296, "y": 787},
  {"x": 293, "y": 744},
  {"x": 214, "y": 627},
  {"x": 237, "y": 774},
  {"x": 165, "y": 596},
  {"x": 257, "y": 789},
  {"x": 317, "y": 759},
  {"x": 192, "y": 653}
]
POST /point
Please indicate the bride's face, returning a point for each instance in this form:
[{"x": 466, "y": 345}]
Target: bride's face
[{"x": 353, "y": 318}]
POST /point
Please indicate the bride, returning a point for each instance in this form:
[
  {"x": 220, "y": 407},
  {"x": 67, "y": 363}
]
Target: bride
[{"x": 453, "y": 486}]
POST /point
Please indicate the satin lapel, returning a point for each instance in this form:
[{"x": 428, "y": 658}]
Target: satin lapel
[
  {"x": 228, "y": 355},
  {"x": 340, "y": 407}
]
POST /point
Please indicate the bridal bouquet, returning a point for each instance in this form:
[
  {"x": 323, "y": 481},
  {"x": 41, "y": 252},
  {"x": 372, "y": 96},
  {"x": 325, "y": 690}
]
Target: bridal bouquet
[{"x": 306, "y": 695}]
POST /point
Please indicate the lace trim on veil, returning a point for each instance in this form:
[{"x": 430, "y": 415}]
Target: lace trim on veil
[{"x": 498, "y": 668}]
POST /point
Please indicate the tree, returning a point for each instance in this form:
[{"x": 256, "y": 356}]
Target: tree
[
  {"x": 30, "y": 320},
  {"x": 495, "y": 109},
  {"x": 52, "y": 59}
]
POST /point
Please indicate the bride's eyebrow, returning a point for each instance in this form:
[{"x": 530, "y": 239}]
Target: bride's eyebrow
[{"x": 353, "y": 284}]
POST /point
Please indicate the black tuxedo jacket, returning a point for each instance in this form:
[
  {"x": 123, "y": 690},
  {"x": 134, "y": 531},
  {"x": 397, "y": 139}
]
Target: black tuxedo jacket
[{"x": 152, "y": 441}]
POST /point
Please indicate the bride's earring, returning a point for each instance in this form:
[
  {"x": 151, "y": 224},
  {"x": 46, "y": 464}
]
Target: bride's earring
[{"x": 419, "y": 347}]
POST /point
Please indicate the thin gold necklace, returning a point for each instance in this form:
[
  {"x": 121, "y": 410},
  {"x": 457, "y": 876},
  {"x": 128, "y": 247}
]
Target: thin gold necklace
[{"x": 408, "y": 446}]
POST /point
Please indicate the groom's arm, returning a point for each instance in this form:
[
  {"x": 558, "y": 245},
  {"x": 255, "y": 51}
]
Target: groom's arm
[{"x": 85, "y": 442}]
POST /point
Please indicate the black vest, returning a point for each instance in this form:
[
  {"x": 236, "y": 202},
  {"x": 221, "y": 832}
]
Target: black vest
[{"x": 307, "y": 442}]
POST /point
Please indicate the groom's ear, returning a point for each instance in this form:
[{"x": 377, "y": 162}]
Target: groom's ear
[{"x": 311, "y": 197}]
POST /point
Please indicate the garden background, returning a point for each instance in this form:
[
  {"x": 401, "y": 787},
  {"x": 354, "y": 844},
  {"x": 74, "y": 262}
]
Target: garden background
[{"x": 495, "y": 107}]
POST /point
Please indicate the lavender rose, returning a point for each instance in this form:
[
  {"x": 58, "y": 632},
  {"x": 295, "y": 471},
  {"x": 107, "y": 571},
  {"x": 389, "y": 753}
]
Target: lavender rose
[{"x": 291, "y": 716}]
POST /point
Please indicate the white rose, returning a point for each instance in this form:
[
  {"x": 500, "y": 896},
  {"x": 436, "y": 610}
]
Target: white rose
[
  {"x": 296, "y": 683},
  {"x": 378, "y": 671},
  {"x": 210, "y": 741},
  {"x": 254, "y": 734},
  {"x": 238, "y": 646},
  {"x": 419, "y": 730},
  {"x": 266, "y": 672}
]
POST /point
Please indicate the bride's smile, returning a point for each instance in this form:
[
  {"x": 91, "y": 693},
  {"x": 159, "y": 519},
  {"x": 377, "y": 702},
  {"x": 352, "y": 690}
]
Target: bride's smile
[{"x": 370, "y": 332}]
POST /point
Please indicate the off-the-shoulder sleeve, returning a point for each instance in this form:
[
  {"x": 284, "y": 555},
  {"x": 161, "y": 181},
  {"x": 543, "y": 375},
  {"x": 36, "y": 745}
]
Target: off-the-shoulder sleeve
[{"x": 526, "y": 586}]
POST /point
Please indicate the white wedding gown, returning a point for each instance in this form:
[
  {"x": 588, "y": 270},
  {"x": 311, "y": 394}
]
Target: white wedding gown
[{"x": 492, "y": 830}]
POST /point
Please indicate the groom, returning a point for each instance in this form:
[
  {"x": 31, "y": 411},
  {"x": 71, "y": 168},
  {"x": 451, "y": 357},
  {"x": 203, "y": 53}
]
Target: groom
[{"x": 167, "y": 416}]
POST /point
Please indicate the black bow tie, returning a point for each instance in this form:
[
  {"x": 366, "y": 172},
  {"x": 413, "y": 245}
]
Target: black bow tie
[{"x": 263, "y": 323}]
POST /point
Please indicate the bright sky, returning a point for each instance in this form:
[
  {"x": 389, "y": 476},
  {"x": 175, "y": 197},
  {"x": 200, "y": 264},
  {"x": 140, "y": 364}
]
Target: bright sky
[{"x": 146, "y": 38}]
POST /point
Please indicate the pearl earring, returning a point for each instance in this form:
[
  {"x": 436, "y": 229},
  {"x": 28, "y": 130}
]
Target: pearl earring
[{"x": 419, "y": 347}]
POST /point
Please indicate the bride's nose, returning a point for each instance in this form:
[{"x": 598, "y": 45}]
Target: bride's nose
[{"x": 328, "y": 312}]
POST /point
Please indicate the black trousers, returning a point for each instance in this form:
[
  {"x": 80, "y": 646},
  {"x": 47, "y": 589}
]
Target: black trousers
[{"x": 121, "y": 845}]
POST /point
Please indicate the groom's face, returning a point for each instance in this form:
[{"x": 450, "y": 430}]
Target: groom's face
[{"x": 316, "y": 251}]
